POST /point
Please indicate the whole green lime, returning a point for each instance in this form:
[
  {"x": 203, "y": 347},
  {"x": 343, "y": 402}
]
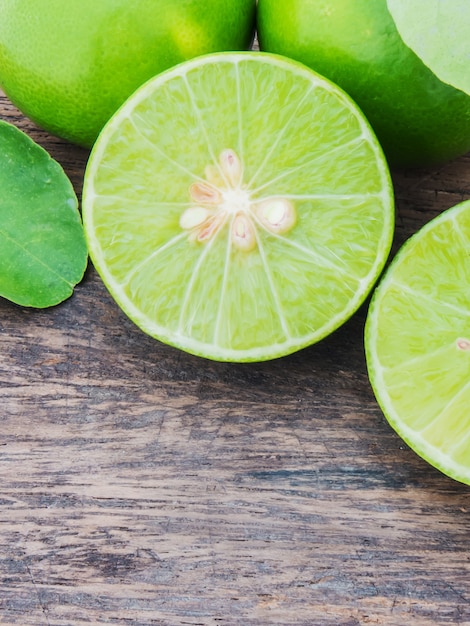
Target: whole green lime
[
  {"x": 418, "y": 119},
  {"x": 68, "y": 66}
]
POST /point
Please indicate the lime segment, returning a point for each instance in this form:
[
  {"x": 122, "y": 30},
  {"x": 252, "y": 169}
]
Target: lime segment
[
  {"x": 418, "y": 342},
  {"x": 238, "y": 207}
]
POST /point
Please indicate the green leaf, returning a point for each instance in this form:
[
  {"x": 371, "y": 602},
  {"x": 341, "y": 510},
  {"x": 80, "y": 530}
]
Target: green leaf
[
  {"x": 43, "y": 253},
  {"x": 438, "y": 31}
]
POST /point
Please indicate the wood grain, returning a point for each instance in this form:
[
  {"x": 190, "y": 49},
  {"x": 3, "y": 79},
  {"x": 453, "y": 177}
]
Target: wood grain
[{"x": 143, "y": 486}]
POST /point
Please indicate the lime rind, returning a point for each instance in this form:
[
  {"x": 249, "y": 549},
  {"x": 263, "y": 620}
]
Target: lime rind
[
  {"x": 214, "y": 301},
  {"x": 417, "y": 340}
]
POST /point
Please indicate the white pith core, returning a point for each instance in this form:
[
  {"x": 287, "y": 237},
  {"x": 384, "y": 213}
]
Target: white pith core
[
  {"x": 222, "y": 196},
  {"x": 235, "y": 200}
]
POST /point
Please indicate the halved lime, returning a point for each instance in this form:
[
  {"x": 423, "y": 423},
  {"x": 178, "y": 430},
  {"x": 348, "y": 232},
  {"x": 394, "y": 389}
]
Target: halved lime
[
  {"x": 238, "y": 207},
  {"x": 418, "y": 342}
]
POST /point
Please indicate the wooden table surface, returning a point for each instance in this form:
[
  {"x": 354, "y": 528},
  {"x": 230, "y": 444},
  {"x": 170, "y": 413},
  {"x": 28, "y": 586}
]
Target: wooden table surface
[{"x": 143, "y": 486}]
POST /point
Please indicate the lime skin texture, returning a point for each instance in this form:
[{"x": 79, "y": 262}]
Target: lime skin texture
[
  {"x": 69, "y": 65},
  {"x": 419, "y": 120}
]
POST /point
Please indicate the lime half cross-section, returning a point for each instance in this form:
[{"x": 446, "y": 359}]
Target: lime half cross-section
[
  {"x": 418, "y": 342},
  {"x": 238, "y": 207}
]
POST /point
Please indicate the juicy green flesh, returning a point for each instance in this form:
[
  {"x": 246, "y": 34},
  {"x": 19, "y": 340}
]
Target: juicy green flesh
[
  {"x": 298, "y": 137},
  {"x": 418, "y": 314}
]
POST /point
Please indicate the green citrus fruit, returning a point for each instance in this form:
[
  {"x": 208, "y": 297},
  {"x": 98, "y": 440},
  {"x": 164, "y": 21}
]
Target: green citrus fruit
[
  {"x": 68, "y": 65},
  {"x": 238, "y": 206},
  {"x": 418, "y": 342},
  {"x": 418, "y": 119}
]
